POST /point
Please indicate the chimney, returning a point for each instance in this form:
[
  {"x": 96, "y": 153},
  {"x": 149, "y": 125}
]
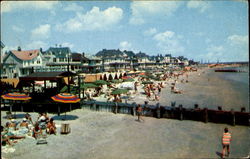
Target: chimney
[
  {"x": 41, "y": 50},
  {"x": 83, "y": 54},
  {"x": 60, "y": 45},
  {"x": 19, "y": 48}
]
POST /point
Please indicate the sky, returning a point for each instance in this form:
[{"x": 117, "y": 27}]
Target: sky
[{"x": 199, "y": 30}]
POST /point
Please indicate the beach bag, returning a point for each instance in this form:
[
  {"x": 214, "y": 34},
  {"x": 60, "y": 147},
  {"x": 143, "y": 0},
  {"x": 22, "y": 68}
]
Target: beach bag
[{"x": 65, "y": 129}]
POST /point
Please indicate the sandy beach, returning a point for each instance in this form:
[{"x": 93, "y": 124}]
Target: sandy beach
[{"x": 108, "y": 135}]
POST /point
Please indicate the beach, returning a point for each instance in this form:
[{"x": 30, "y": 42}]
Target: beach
[{"x": 108, "y": 135}]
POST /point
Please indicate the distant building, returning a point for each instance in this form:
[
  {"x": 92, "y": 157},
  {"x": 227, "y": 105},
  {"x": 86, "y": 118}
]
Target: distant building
[
  {"x": 18, "y": 63},
  {"x": 57, "y": 59}
]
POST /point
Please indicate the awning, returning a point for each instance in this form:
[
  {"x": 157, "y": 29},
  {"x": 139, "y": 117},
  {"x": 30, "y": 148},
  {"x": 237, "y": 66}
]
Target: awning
[{"x": 11, "y": 81}]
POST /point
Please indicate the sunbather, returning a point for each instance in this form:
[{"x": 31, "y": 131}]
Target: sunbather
[
  {"x": 24, "y": 126},
  {"x": 10, "y": 134},
  {"x": 4, "y": 138}
]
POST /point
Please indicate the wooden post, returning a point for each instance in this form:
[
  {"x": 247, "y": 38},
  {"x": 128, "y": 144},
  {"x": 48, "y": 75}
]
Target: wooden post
[
  {"x": 233, "y": 117},
  {"x": 116, "y": 107},
  {"x": 58, "y": 110},
  {"x": 158, "y": 111},
  {"x": 180, "y": 109},
  {"x": 205, "y": 115},
  {"x": 94, "y": 106}
]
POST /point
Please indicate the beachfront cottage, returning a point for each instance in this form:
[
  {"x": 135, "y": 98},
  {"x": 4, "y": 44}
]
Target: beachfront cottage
[
  {"x": 57, "y": 59},
  {"x": 19, "y": 63}
]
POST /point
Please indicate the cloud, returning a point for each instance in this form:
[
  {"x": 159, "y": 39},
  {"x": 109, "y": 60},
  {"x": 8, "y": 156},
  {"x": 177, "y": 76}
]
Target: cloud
[
  {"x": 124, "y": 45},
  {"x": 8, "y": 6},
  {"x": 36, "y": 45},
  {"x": 95, "y": 19},
  {"x": 238, "y": 40},
  {"x": 168, "y": 42},
  {"x": 17, "y": 29},
  {"x": 202, "y": 6},
  {"x": 213, "y": 53},
  {"x": 142, "y": 10},
  {"x": 150, "y": 32},
  {"x": 42, "y": 32},
  {"x": 73, "y": 7}
]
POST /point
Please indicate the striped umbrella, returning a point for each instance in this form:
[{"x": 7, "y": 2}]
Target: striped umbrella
[
  {"x": 15, "y": 97},
  {"x": 65, "y": 98}
]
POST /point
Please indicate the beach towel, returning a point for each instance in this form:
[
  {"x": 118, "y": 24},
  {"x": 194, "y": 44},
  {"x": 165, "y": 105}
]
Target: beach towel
[{"x": 7, "y": 149}]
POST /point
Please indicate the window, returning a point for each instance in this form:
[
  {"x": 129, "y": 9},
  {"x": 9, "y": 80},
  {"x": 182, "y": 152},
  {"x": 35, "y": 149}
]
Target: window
[{"x": 54, "y": 59}]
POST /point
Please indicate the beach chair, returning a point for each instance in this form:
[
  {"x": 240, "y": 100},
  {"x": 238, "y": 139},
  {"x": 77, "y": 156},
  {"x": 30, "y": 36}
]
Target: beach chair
[
  {"x": 65, "y": 129},
  {"x": 9, "y": 115},
  {"x": 42, "y": 138}
]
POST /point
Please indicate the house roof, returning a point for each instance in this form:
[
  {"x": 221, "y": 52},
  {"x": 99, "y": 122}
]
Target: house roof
[
  {"x": 25, "y": 55},
  {"x": 2, "y": 45},
  {"x": 78, "y": 57},
  {"x": 59, "y": 51}
]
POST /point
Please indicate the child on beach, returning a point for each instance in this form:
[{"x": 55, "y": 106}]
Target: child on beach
[
  {"x": 226, "y": 139},
  {"x": 51, "y": 127},
  {"x": 139, "y": 112},
  {"x": 36, "y": 130}
]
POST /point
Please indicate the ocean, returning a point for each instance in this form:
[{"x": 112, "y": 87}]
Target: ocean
[{"x": 239, "y": 81}]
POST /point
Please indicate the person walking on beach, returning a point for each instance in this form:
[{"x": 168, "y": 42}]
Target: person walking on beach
[
  {"x": 226, "y": 139},
  {"x": 139, "y": 112}
]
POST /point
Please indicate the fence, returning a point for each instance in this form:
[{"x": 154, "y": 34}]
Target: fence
[{"x": 197, "y": 114}]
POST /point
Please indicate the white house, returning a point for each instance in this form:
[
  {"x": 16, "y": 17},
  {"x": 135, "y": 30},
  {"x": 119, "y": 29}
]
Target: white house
[{"x": 18, "y": 63}]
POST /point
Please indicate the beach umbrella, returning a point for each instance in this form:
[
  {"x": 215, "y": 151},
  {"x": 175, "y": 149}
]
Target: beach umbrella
[
  {"x": 129, "y": 80},
  {"x": 16, "y": 97},
  {"x": 119, "y": 91},
  {"x": 88, "y": 85},
  {"x": 100, "y": 82},
  {"x": 142, "y": 73},
  {"x": 65, "y": 98},
  {"x": 116, "y": 81}
]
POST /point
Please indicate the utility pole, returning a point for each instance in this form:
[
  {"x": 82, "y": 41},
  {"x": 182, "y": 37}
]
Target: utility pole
[{"x": 68, "y": 75}]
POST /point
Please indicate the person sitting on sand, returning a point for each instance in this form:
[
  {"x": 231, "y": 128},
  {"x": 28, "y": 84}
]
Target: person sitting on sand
[
  {"x": 29, "y": 119},
  {"x": 24, "y": 129},
  {"x": 51, "y": 127},
  {"x": 42, "y": 121},
  {"x": 36, "y": 130},
  {"x": 12, "y": 125}
]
